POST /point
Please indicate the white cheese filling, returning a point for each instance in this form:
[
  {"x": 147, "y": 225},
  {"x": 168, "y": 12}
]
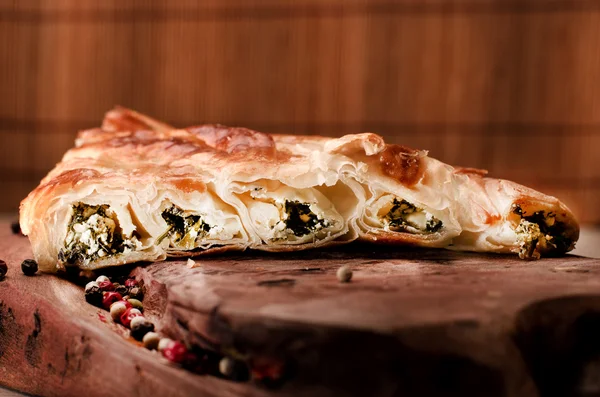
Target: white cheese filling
[
  {"x": 203, "y": 232},
  {"x": 96, "y": 234},
  {"x": 282, "y": 215},
  {"x": 394, "y": 214},
  {"x": 271, "y": 217}
]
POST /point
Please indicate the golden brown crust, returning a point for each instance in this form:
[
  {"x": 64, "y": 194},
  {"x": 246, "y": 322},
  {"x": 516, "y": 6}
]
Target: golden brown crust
[
  {"x": 122, "y": 119},
  {"x": 188, "y": 185},
  {"x": 402, "y": 163},
  {"x": 233, "y": 139}
]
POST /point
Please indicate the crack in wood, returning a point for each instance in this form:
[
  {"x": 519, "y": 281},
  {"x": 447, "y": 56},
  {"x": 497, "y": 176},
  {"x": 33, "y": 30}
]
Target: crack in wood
[
  {"x": 32, "y": 348},
  {"x": 281, "y": 282},
  {"x": 311, "y": 270}
]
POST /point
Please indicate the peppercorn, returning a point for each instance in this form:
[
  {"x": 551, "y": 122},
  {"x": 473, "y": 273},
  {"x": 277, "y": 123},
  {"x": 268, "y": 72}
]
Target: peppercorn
[
  {"x": 101, "y": 279},
  {"x": 137, "y": 320},
  {"x": 15, "y": 227},
  {"x": 118, "y": 308},
  {"x": 128, "y": 315},
  {"x": 136, "y": 293},
  {"x": 3, "y": 269},
  {"x": 150, "y": 340},
  {"x": 226, "y": 366},
  {"x": 136, "y": 303},
  {"x": 234, "y": 369},
  {"x": 29, "y": 267},
  {"x": 344, "y": 274},
  {"x": 131, "y": 282},
  {"x": 163, "y": 344},
  {"x": 106, "y": 286},
  {"x": 93, "y": 295},
  {"x": 90, "y": 285},
  {"x": 140, "y": 327},
  {"x": 109, "y": 298},
  {"x": 175, "y": 352},
  {"x": 121, "y": 289},
  {"x": 267, "y": 372}
]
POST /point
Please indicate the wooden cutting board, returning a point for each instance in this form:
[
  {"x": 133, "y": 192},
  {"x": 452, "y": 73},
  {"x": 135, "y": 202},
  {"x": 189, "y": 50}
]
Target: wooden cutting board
[{"x": 411, "y": 323}]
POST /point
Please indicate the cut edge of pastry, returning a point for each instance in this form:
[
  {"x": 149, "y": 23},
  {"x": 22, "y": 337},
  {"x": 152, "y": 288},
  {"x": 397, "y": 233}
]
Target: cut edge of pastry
[
  {"x": 542, "y": 230},
  {"x": 283, "y": 216}
]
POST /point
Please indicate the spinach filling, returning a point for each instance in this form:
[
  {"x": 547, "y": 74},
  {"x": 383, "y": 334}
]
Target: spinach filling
[
  {"x": 399, "y": 217},
  {"x": 93, "y": 233},
  {"x": 183, "y": 229},
  {"x": 300, "y": 219},
  {"x": 540, "y": 230}
]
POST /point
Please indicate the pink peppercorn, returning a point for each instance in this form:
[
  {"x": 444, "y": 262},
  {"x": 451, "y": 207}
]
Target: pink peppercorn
[
  {"x": 131, "y": 282},
  {"x": 128, "y": 315},
  {"x": 106, "y": 286},
  {"x": 109, "y": 298},
  {"x": 266, "y": 369},
  {"x": 175, "y": 352}
]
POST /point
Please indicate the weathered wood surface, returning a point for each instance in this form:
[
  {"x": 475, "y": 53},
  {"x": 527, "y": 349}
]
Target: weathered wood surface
[{"x": 411, "y": 322}]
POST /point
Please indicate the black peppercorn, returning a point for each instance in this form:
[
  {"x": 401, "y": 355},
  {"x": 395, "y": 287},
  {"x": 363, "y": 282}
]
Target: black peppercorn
[
  {"x": 3, "y": 269},
  {"x": 93, "y": 295},
  {"x": 140, "y": 327},
  {"x": 15, "y": 227},
  {"x": 136, "y": 293},
  {"x": 121, "y": 289},
  {"x": 29, "y": 267}
]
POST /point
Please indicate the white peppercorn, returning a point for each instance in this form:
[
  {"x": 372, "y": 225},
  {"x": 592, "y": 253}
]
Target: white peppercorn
[{"x": 344, "y": 274}]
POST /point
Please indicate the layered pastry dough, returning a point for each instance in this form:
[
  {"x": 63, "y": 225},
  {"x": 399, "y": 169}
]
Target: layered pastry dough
[{"x": 137, "y": 189}]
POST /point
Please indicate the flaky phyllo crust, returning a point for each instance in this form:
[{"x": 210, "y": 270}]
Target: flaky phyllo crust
[{"x": 139, "y": 190}]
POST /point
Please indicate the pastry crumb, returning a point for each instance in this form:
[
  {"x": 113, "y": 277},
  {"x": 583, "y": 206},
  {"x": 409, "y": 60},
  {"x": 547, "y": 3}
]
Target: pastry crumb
[{"x": 192, "y": 263}]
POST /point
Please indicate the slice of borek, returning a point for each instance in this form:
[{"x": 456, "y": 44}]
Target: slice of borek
[
  {"x": 97, "y": 233},
  {"x": 282, "y": 216},
  {"x": 507, "y": 217},
  {"x": 541, "y": 232},
  {"x": 389, "y": 216},
  {"x": 531, "y": 231},
  {"x": 193, "y": 219},
  {"x": 195, "y": 229}
]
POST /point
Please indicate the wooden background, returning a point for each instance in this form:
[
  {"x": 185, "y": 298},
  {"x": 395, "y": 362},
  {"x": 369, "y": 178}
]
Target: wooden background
[{"x": 510, "y": 86}]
